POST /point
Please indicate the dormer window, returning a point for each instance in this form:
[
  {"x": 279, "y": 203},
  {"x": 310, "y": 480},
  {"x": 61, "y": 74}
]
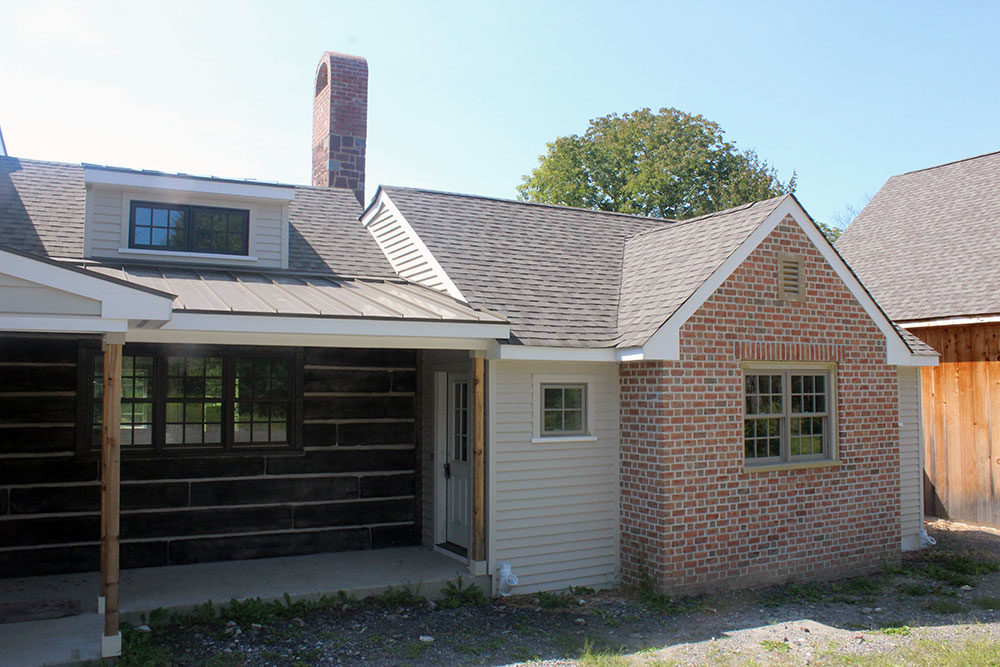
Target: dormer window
[{"x": 182, "y": 228}]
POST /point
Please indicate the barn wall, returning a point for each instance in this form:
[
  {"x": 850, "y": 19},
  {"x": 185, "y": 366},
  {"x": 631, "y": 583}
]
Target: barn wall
[
  {"x": 352, "y": 487},
  {"x": 961, "y": 421}
]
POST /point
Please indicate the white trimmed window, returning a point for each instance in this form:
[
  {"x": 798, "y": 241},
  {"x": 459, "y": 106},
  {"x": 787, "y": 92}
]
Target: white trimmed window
[
  {"x": 563, "y": 408},
  {"x": 789, "y": 414}
]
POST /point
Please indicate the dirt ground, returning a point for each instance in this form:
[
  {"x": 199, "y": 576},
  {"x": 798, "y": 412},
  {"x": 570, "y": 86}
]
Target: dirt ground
[{"x": 944, "y": 596}]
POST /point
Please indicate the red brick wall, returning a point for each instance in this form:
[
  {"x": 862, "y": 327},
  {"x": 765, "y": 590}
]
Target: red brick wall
[
  {"x": 692, "y": 517},
  {"x": 340, "y": 123}
]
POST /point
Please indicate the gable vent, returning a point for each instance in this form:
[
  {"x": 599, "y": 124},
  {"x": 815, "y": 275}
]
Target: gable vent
[{"x": 790, "y": 279}]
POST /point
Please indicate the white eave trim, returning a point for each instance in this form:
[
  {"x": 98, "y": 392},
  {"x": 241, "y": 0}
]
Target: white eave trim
[
  {"x": 499, "y": 350},
  {"x": 664, "y": 344},
  {"x": 118, "y": 302},
  {"x": 323, "y": 331},
  {"x": 384, "y": 203},
  {"x": 182, "y": 183},
  {"x": 950, "y": 321},
  {"x": 61, "y": 324}
]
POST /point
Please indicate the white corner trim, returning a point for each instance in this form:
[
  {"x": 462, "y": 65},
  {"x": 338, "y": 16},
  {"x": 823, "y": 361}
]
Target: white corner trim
[
  {"x": 664, "y": 344},
  {"x": 182, "y": 183},
  {"x": 630, "y": 354},
  {"x": 384, "y": 203},
  {"x": 499, "y": 350},
  {"x": 117, "y": 301},
  {"x": 950, "y": 321}
]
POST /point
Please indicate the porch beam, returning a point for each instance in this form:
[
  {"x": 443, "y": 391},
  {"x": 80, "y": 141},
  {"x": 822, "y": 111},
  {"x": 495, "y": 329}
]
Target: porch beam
[
  {"x": 478, "y": 461},
  {"x": 110, "y": 495}
]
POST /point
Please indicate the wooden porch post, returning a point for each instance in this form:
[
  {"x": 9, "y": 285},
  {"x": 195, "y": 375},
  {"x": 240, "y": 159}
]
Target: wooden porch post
[
  {"x": 478, "y": 462},
  {"x": 110, "y": 493}
]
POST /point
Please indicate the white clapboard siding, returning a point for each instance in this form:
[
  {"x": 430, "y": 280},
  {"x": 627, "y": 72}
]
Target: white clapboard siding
[
  {"x": 554, "y": 514},
  {"x": 108, "y": 211},
  {"x": 910, "y": 457},
  {"x": 23, "y": 297},
  {"x": 401, "y": 245}
]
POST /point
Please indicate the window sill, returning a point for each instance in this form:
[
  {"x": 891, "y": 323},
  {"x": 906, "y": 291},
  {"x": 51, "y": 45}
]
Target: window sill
[
  {"x": 186, "y": 255},
  {"x": 800, "y": 465},
  {"x": 538, "y": 440}
]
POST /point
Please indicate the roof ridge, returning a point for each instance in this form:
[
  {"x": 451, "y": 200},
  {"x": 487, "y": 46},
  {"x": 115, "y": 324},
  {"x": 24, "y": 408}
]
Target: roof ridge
[
  {"x": 78, "y": 165},
  {"x": 680, "y": 223},
  {"x": 948, "y": 164},
  {"x": 563, "y": 207}
]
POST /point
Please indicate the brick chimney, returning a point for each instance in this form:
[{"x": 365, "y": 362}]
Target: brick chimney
[{"x": 340, "y": 123}]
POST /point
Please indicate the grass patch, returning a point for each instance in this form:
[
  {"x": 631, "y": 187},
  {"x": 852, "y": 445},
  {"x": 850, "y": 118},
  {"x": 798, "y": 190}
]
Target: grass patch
[
  {"x": 646, "y": 594},
  {"x": 963, "y": 563},
  {"x": 774, "y": 645},
  {"x": 454, "y": 595},
  {"x": 547, "y": 600},
  {"x": 947, "y": 576},
  {"x": 138, "y": 648},
  {"x": 395, "y": 597},
  {"x": 896, "y": 630},
  {"x": 987, "y": 603},
  {"x": 863, "y": 586},
  {"x": 914, "y": 590},
  {"x": 413, "y": 650},
  {"x": 581, "y": 591},
  {"x": 928, "y": 653},
  {"x": 483, "y": 646},
  {"x": 946, "y": 607}
]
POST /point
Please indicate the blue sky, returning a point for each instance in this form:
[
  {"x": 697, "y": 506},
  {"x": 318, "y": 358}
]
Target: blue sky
[{"x": 464, "y": 95}]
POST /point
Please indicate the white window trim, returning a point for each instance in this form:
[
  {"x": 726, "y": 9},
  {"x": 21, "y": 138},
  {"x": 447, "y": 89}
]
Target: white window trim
[
  {"x": 589, "y": 434},
  {"x": 832, "y": 455}
]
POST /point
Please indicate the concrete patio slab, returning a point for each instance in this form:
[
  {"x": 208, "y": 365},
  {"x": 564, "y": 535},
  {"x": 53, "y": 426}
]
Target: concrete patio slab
[{"x": 181, "y": 587}]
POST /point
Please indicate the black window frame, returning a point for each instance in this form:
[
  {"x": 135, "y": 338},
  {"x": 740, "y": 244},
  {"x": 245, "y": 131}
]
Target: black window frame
[
  {"x": 89, "y": 445},
  {"x": 189, "y": 236}
]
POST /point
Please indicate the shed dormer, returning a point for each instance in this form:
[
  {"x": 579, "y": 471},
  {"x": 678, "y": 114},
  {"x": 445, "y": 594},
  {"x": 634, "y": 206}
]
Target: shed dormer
[{"x": 154, "y": 216}]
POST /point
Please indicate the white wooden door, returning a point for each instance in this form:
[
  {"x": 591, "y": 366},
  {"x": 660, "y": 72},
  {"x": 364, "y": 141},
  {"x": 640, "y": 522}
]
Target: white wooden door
[{"x": 457, "y": 472}]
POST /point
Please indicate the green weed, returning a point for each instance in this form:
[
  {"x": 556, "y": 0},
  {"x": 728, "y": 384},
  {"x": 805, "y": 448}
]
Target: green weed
[
  {"x": 987, "y": 602},
  {"x": 547, "y": 600},
  {"x": 946, "y": 607},
  {"x": 774, "y": 645},
  {"x": 454, "y": 595}
]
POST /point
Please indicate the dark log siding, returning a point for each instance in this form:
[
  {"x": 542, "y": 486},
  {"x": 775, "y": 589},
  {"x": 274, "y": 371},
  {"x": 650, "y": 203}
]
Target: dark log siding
[{"x": 352, "y": 487}]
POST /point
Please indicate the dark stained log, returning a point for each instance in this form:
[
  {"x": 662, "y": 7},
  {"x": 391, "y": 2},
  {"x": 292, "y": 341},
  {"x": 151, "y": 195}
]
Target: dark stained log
[
  {"x": 239, "y": 547},
  {"x": 358, "y": 407},
  {"x": 354, "y": 514},
  {"x": 37, "y": 440},
  {"x": 38, "y": 378},
  {"x": 343, "y": 460},
  {"x": 347, "y": 381},
  {"x": 142, "y": 525},
  {"x": 264, "y": 490},
  {"x": 380, "y": 486},
  {"x": 377, "y": 433},
  {"x": 360, "y": 358},
  {"x": 37, "y": 410}
]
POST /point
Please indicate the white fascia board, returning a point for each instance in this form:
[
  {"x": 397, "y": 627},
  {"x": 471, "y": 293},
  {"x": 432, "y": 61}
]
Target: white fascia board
[
  {"x": 950, "y": 321},
  {"x": 117, "y": 301},
  {"x": 665, "y": 343},
  {"x": 384, "y": 203},
  {"x": 139, "y": 335},
  {"x": 328, "y": 326},
  {"x": 187, "y": 184},
  {"x": 55, "y": 324},
  {"x": 630, "y": 354},
  {"x": 543, "y": 353}
]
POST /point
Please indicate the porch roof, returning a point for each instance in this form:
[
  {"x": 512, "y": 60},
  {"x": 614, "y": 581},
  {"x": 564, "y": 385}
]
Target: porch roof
[{"x": 202, "y": 290}]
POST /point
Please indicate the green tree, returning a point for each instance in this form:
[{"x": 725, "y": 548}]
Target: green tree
[{"x": 668, "y": 164}]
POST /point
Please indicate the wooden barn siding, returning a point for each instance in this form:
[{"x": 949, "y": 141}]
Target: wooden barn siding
[
  {"x": 353, "y": 487},
  {"x": 961, "y": 421}
]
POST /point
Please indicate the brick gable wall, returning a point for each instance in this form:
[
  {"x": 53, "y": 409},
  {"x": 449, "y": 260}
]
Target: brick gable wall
[{"x": 692, "y": 517}]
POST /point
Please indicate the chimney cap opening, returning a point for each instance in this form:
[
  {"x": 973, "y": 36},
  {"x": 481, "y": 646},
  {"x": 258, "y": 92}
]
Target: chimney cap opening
[{"x": 322, "y": 77}]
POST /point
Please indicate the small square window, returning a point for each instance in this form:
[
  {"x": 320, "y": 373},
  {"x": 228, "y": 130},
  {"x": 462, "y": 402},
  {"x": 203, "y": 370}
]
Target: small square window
[{"x": 563, "y": 409}]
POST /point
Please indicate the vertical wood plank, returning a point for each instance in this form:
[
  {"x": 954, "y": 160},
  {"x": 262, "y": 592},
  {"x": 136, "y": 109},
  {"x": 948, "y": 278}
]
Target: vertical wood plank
[
  {"x": 478, "y": 461},
  {"x": 110, "y": 483}
]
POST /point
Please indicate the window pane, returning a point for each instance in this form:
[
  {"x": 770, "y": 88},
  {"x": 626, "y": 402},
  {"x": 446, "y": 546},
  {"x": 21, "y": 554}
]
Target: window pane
[
  {"x": 159, "y": 217},
  {"x": 553, "y": 421},
  {"x": 553, "y": 397},
  {"x": 142, "y": 216},
  {"x": 573, "y": 420},
  {"x": 573, "y": 397}
]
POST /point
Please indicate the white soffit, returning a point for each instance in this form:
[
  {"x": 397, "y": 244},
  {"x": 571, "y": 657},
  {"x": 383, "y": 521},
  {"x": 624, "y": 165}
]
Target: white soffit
[{"x": 664, "y": 344}]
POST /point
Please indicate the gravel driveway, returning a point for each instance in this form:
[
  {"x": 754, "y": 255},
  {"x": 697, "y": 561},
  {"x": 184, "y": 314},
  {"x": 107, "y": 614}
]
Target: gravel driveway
[{"x": 949, "y": 593}]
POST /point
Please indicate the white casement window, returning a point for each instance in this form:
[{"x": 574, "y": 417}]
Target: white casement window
[
  {"x": 563, "y": 407},
  {"x": 789, "y": 413}
]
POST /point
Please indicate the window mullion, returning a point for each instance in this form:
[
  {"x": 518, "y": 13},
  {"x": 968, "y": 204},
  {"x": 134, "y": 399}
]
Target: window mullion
[
  {"x": 786, "y": 417},
  {"x": 159, "y": 401},
  {"x": 229, "y": 400}
]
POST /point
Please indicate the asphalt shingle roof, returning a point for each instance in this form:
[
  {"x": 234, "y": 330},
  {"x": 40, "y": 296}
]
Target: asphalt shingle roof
[
  {"x": 663, "y": 267},
  {"x": 927, "y": 245},
  {"x": 42, "y": 207},
  {"x": 554, "y": 271}
]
